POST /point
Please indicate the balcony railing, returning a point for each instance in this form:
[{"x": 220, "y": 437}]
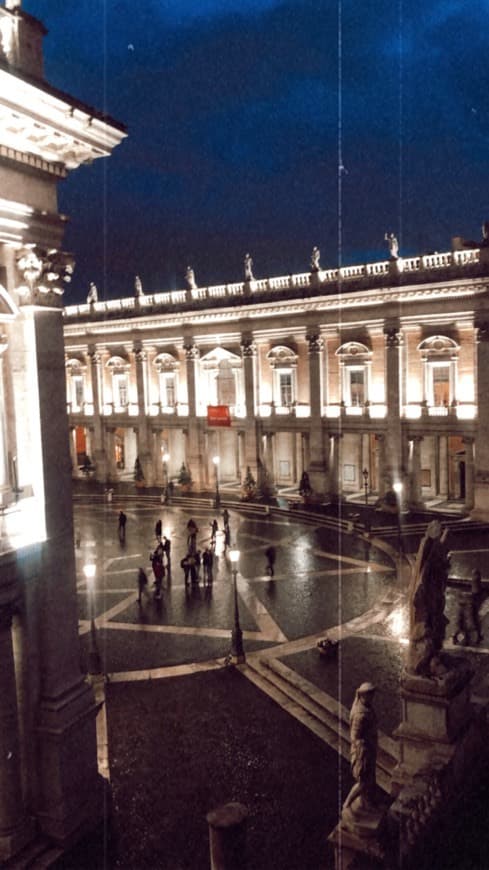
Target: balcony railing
[{"x": 141, "y": 304}]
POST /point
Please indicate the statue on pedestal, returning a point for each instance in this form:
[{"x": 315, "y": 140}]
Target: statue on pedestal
[
  {"x": 92, "y": 293},
  {"x": 315, "y": 256},
  {"x": 190, "y": 278},
  {"x": 393, "y": 245},
  {"x": 427, "y": 621},
  {"x": 138, "y": 287},
  {"x": 248, "y": 268},
  {"x": 363, "y": 751}
]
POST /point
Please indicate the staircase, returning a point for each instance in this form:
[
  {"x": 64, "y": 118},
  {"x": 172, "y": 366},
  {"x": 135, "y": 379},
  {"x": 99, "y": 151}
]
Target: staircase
[{"x": 319, "y": 712}]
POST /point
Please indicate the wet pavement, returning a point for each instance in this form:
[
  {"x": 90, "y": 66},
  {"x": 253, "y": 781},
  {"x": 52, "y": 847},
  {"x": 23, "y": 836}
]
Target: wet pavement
[{"x": 181, "y": 744}]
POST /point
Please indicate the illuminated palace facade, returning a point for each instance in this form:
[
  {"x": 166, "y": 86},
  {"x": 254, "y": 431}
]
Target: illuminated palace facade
[
  {"x": 50, "y": 790},
  {"x": 378, "y": 368}
]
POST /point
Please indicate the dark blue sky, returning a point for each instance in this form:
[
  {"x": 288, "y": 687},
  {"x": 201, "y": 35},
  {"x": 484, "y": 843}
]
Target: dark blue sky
[{"x": 232, "y": 108}]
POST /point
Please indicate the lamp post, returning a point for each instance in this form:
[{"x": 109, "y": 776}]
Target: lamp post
[
  {"x": 166, "y": 458},
  {"x": 237, "y": 651},
  {"x": 94, "y": 662},
  {"x": 365, "y": 484},
  {"x": 398, "y": 491},
  {"x": 217, "y": 500}
]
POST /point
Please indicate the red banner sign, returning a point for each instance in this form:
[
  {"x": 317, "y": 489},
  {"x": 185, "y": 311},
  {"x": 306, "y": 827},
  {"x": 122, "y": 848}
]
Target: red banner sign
[{"x": 218, "y": 415}]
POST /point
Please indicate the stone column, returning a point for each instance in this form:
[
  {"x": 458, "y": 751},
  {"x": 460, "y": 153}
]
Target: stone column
[
  {"x": 481, "y": 489},
  {"x": 249, "y": 355},
  {"x": 73, "y": 456},
  {"x": 416, "y": 500},
  {"x": 469, "y": 473},
  {"x": 381, "y": 472},
  {"x": 393, "y": 342},
  {"x": 157, "y": 437},
  {"x": 318, "y": 461},
  {"x": 99, "y": 456},
  {"x": 335, "y": 482},
  {"x": 143, "y": 432},
  {"x": 194, "y": 458},
  {"x": 112, "y": 470},
  {"x": 443, "y": 459},
  {"x": 14, "y": 831},
  {"x": 69, "y": 797}
]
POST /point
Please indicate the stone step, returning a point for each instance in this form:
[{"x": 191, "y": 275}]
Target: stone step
[
  {"x": 37, "y": 855},
  {"x": 321, "y": 713}
]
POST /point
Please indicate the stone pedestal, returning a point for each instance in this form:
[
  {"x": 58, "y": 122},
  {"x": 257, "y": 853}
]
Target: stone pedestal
[
  {"x": 357, "y": 836},
  {"x": 436, "y": 713}
]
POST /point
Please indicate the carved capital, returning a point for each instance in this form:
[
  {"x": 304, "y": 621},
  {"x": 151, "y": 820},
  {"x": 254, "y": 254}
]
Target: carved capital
[
  {"x": 192, "y": 352},
  {"x": 316, "y": 343},
  {"x": 248, "y": 347},
  {"x": 43, "y": 274},
  {"x": 140, "y": 356},
  {"x": 393, "y": 338},
  {"x": 482, "y": 332},
  {"x": 95, "y": 357}
]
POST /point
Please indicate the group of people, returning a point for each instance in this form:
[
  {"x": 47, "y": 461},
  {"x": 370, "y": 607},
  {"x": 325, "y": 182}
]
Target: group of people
[{"x": 160, "y": 559}]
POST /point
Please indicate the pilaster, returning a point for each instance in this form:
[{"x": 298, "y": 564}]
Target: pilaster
[
  {"x": 195, "y": 459},
  {"x": 393, "y": 344},
  {"x": 143, "y": 431},
  {"x": 99, "y": 456},
  {"x": 318, "y": 462},
  {"x": 249, "y": 356}
]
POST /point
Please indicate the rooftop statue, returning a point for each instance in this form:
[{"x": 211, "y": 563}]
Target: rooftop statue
[
  {"x": 138, "y": 286},
  {"x": 190, "y": 278},
  {"x": 248, "y": 268},
  {"x": 92, "y": 293},
  {"x": 483, "y": 243},
  {"x": 363, "y": 751},
  {"x": 393, "y": 245},
  {"x": 315, "y": 255},
  {"x": 427, "y": 621}
]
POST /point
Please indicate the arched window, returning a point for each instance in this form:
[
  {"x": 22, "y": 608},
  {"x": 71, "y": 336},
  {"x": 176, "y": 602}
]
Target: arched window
[
  {"x": 119, "y": 369},
  {"x": 355, "y": 360},
  {"x": 167, "y": 367},
  {"x": 439, "y": 355},
  {"x": 283, "y": 361},
  {"x": 221, "y": 379}
]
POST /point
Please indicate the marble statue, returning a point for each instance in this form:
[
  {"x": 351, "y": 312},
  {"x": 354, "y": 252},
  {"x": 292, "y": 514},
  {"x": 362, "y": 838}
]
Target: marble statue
[
  {"x": 315, "y": 255},
  {"x": 363, "y": 751},
  {"x": 190, "y": 278},
  {"x": 484, "y": 243},
  {"x": 427, "y": 621},
  {"x": 138, "y": 286},
  {"x": 92, "y": 293},
  {"x": 248, "y": 268},
  {"x": 393, "y": 245}
]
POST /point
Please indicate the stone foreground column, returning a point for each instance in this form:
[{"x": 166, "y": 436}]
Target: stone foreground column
[
  {"x": 227, "y": 837},
  {"x": 14, "y": 829}
]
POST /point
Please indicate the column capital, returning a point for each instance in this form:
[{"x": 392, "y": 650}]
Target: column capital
[
  {"x": 43, "y": 273},
  {"x": 482, "y": 332},
  {"x": 248, "y": 347},
  {"x": 140, "y": 355},
  {"x": 316, "y": 343},
  {"x": 95, "y": 356},
  {"x": 192, "y": 352},
  {"x": 393, "y": 337}
]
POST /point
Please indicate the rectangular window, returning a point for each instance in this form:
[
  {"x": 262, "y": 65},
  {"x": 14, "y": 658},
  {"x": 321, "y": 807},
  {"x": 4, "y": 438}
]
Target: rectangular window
[
  {"x": 441, "y": 384},
  {"x": 357, "y": 386},
  {"x": 167, "y": 390},
  {"x": 120, "y": 391},
  {"x": 285, "y": 388},
  {"x": 77, "y": 383}
]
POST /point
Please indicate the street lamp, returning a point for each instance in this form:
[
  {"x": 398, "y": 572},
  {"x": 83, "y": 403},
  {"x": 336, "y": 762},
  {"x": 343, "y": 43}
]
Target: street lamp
[
  {"x": 237, "y": 651},
  {"x": 398, "y": 487},
  {"x": 365, "y": 484},
  {"x": 165, "y": 458},
  {"x": 94, "y": 663},
  {"x": 217, "y": 501}
]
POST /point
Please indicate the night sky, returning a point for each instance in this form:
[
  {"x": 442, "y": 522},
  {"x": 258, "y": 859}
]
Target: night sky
[{"x": 239, "y": 115}]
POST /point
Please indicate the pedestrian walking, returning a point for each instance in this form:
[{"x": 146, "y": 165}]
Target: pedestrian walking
[
  {"x": 142, "y": 584},
  {"x": 158, "y": 571},
  {"x": 225, "y": 517},
  {"x": 207, "y": 562},
  {"x": 158, "y": 527},
  {"x": 122, "y": 526},
  {"x": 167, "y": 551},
  {"x": 271, "y": 555},
  {"x": 214, "y": 529},
  {"x": 185, "y": 566}
]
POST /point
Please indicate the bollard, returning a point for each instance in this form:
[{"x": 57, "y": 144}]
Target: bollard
[{"x": 227, "y": 836}]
